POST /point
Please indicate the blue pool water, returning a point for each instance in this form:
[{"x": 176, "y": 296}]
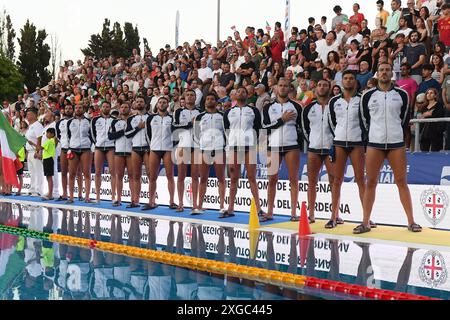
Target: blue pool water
[{"x": 34, "y": 269}]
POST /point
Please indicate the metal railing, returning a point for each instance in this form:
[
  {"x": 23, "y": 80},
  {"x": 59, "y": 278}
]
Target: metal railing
[{"x": 417, "y": 129}]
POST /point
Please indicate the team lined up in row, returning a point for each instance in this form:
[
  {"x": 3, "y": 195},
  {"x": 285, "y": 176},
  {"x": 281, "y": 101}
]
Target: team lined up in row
[{"x": 335, "y": 129}]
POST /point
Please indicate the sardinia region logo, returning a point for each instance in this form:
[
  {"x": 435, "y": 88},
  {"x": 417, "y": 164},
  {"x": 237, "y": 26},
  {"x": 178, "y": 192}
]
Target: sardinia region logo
[
  {"x": 434, "y": 203},
  {"x": 188, "y": 193},
  {"x": 432, "y": 270}
]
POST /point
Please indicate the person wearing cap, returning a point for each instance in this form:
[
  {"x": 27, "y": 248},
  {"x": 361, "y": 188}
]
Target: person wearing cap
[{"x": 33, "y": 147}]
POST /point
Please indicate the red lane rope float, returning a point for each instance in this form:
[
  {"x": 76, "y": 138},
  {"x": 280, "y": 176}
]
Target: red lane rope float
[{"x": 218, "y": 267}]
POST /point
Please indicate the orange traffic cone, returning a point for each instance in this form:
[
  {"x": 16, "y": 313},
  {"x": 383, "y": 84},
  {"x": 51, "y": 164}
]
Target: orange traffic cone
[
  {"x": 303, "y": 228},
  {"x": 304, "y": 243}
]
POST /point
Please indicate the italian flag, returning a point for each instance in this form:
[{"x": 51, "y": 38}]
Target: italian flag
[{"x": 10, "y": 144}]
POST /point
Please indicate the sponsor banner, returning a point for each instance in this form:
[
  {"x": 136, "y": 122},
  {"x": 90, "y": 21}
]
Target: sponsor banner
[
  {"x": 419, "y": 170},
  {"x": 430, "y": 203},
  {"x": 370, "y": 264}
]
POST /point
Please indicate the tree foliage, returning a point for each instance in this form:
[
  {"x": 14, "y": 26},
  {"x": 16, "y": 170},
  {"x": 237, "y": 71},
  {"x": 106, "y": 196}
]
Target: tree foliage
[
  {"x": 117, "y": 42},
  {"x": 34, "y": 56},
  {"x": 11, "y": 81}
]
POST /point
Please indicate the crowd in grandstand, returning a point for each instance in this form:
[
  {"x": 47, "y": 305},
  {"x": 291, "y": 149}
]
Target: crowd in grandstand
[{"x": 129, "y": 111}]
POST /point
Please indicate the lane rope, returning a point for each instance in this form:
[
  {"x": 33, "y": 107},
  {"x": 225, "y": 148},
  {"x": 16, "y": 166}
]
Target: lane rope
[{"x": 272, "y": 277}]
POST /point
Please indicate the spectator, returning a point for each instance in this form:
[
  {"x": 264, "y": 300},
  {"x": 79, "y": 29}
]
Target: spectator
[
  {"x": 333, "y": 61},
  {"x": 354, "y": 35},
  {"x": 407, "y": 83},
  {"x": 392, "y": 21},
  {"x": 415, "y": 55},
  {"x": 403, "y": 28},
  {"x": 446, "y": 102},
  {"x": 227, "y": 79},
  {"x": 352, "y": 56},
  {"x": 323, "y": 23},
  {"x": 410, "y": 14},
  {"x": 438, "y": 63},
  {"x": 428, "y": 82},
  {"x": 295, "y": 67},
  {"x": 382, "y": 14},
  {"x": 263, "y": 97},
  {"x": 365, "y": 31},
  {"x": 329, "y": 45},
  {"x": 357, "y": 17},
  {"x": 364, "y": 75},
  {"x": 431, "y": 134},
  {"x": 339, "y": 18},
  {"x": 443, "y": 25}
]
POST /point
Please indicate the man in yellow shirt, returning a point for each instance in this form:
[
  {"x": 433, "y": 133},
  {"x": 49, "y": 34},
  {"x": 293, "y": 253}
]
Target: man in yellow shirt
[
  {"x": 48, "y": 158},
  {"x": 382, "y": 14}
]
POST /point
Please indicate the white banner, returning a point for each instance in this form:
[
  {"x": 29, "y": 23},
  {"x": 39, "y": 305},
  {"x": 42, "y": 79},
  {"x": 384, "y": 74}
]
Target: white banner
[{"x": 430, "y": 203}]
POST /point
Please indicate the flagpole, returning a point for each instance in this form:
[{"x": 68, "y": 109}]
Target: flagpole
[{"x": 218, "y": 20}]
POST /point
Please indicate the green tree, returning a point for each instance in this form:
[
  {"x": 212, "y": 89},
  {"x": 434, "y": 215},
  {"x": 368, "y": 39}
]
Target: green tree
[
  {"x": 10, "y": 37},
  {"x": 27, "y": 57},
  {"x": 11, "y": 81},
  {"x": 118, "y": 48},
  {"x": 43, "y": 58},
  {"x": 100, "y": 45},
  {"x": 132, "y": 39},
  {"x": 34, "y": 56}
]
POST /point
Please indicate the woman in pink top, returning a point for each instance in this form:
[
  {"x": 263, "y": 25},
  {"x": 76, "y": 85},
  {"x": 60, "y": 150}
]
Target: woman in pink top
[{"x": 352, "y": 53}]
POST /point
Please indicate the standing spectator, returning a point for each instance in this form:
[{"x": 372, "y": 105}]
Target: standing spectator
[
  {"x": 407, "y": 83},
  {"x": 410, "y": 14},
  {"x": 431, "y": 134},
  {"x": 446, "y": 101},
  {"x": 438, "y": 63},
  {"x": 354, "y": 35},
  {"x": 403, "y": 27},
  {"x": 357, "y": 17},
  {"x": 434, "y": 17},
  {"x": 364, "y": 75},
  {"x": 295, "y": 67},
  {"x": 227, "y": 79},
  {"x": 33, "y": 147},
  {"x": 365, "y": 31},
  {"x": 392, "y": 21},
  {"x": 277, "y": 46},
  {"x": 323, "y": 23},
  {"x": 246, "y": 69},
  {"x": 428, "y": 82},
  {"x": 444, "y": 25},
  {"x": 330, "y": 45},
  {"x": 415, "y": 55},
  {"x": 205, "y": 73},
  {"x": 352, "y": 56},
  {"x": 263, "y": 97},
  {"x": 339, "y": 18},
  {"x": 382, "y": 14}
]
